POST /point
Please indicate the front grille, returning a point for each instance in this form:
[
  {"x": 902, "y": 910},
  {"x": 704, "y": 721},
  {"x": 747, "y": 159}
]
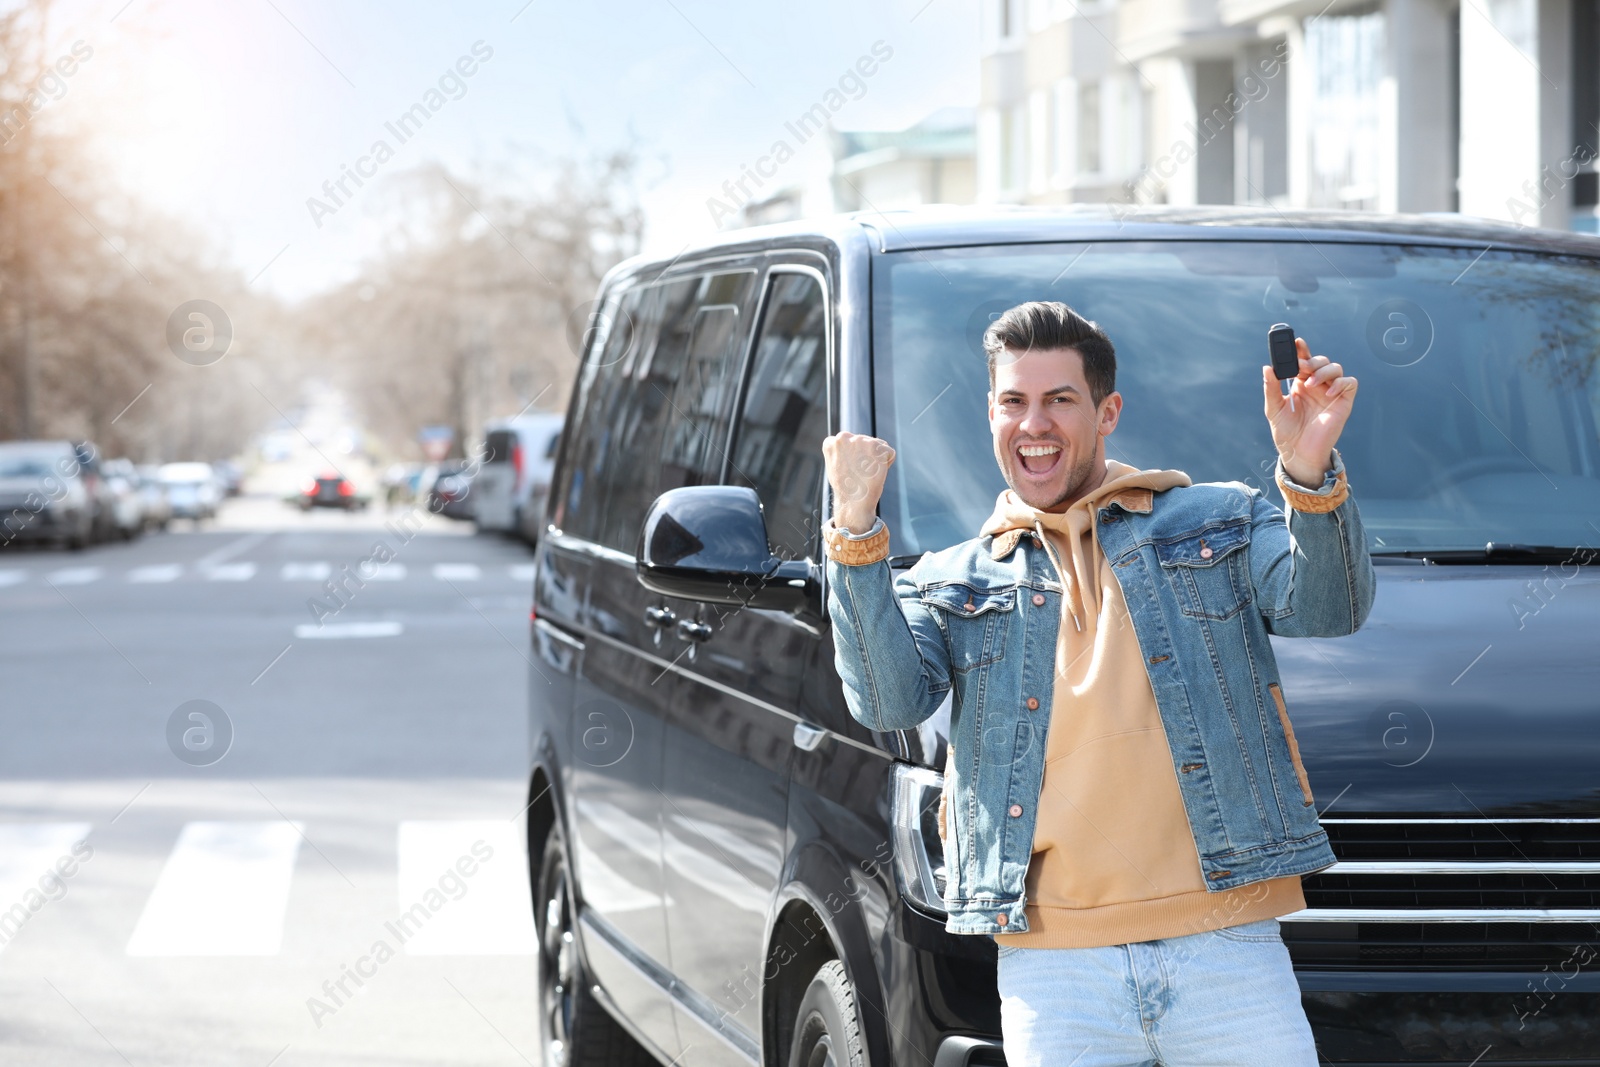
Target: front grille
[{"x": 1440, "y": 894}]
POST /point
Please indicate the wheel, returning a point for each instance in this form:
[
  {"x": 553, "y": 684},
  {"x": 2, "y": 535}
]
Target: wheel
[
  {"x": 826, "y": 1033},
  {"x": 573, "y": 1028}
]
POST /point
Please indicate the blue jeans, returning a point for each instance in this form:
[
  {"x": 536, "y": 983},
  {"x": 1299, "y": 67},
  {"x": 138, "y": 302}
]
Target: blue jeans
[{"x": 1219, "y": 998}]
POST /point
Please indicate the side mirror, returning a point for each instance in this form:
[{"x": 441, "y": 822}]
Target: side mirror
[{"x": 709, "y": 542}]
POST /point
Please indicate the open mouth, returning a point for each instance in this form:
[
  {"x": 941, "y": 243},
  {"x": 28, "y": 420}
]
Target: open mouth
[{"x": 1038, "y": 460}]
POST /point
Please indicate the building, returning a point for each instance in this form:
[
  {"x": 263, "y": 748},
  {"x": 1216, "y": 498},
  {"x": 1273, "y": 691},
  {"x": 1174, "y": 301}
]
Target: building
[
  {"x": 1488, "y": 107},
  {"x": 931, "y": 162}
]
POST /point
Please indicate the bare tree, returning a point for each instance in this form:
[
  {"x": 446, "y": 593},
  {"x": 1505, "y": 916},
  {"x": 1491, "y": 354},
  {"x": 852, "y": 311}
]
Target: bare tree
[{"x": 474, "y": 308}]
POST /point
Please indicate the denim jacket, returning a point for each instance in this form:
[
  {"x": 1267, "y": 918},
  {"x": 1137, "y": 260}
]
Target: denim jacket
[{"x": 1208, "y": 571}]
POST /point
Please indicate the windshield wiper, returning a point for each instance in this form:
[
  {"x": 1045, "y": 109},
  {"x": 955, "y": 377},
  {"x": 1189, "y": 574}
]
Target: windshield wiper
[{"x": 1500, "y": 552}]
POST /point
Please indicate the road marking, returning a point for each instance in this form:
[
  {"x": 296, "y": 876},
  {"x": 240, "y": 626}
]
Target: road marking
[
  {"x": 223, "y": 892},
  {"x": 231, "y": 549},
  {"x": 75, "y": 576},
  {"x": 12, "y": 577},
  {"x": 457, "y": 572},
  {"x": 445, "y": 911},
  {"x": 312, "y": 631},
  {"x": 523, "y": 572},
  {"x": 158, "y": 572},
  {"x": 29, "y": 877},
  {"x": 385, "y": 572},
  {"x": 231, "y": 572},
  {"x": 305, "y": 572}
]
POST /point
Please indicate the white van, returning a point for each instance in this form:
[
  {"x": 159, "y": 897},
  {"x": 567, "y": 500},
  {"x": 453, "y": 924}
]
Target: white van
[{"x": 511, "y": 486}]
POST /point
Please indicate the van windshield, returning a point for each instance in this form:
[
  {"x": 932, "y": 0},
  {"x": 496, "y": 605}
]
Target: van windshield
[{"x": 1479, "y": 387}]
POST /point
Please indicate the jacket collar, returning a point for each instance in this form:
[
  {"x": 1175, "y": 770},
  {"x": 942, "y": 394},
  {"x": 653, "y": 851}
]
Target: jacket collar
[{"x": 1133, "y": 498}]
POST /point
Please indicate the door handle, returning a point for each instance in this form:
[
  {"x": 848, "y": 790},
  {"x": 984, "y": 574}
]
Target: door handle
[
  {"x": 659, "y": 616},
  {"x": 694, "y": 631},
  {"x": 808, "y": 737}
]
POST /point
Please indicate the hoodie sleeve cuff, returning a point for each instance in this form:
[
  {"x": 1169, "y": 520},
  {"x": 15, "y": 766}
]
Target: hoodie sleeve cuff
[{"x": 856, "y": 550}]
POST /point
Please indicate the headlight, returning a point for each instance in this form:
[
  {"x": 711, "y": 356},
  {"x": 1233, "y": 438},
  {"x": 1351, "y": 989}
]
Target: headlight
[{"x": 918, "y": 851}]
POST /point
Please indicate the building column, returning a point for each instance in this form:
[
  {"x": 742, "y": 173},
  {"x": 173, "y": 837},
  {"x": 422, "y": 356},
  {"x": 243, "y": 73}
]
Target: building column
[
  {"x": 1417, "y": 98},
  {"x": 1516, "y": 111},
  {"x": 1300, "y": 94}
]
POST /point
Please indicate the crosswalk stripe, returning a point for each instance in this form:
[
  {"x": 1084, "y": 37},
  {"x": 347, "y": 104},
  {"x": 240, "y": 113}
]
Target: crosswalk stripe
[
  {"x": 523, "y": 572},
  {"x": 305, "y": 572},
  {"x": 223, "y": 892},
  {"x": 36, "y": 861},
  {"x": 231, "y": 572},
  {"x": 12, "y": 577},
  {"x": 313, "y": 631},
  {"x": 463, "y": 890},
  {"x": 387, "y": 572},
  {"x": 457, "y": 572},
  {"x": 159, "y": 572},
  {"x": 75, "y": 576}
]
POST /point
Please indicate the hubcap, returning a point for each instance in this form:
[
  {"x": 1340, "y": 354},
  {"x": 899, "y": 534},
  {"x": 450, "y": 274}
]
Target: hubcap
[{"x": 557, "y": 963}]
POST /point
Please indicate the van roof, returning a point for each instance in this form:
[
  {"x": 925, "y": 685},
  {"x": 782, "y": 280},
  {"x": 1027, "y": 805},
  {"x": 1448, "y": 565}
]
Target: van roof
[{"x": 950, "y": 226}]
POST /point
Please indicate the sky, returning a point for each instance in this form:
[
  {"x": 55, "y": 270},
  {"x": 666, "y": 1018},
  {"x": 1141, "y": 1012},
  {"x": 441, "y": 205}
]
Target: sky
[{"x": 232, "y": 114}]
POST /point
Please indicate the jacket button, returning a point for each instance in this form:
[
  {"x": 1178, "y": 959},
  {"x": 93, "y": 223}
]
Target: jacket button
[
  {"x": 1002, "y": 918},
  {"x": 1038, "y": 600},
  {"x": 1016, "y": 810},
  {"x": 1205, "y": 553},
  {"x": 967, "y": 606},
  {"x": 1033, "y": 703}
]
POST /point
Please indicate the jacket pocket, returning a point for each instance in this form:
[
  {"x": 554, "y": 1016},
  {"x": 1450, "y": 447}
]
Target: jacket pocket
[
  {"x": 1294, "y": 747},
  {"x": 974, "y": 621},
  {"x": 1209, "y": 570}
]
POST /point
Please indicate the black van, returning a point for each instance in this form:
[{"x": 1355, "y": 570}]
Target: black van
[{"x": 727, "y": 869}]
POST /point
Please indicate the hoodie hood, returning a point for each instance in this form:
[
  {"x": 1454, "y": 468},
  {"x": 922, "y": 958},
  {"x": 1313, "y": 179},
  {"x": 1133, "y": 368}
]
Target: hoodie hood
[{"x": 1073, "y": 530}]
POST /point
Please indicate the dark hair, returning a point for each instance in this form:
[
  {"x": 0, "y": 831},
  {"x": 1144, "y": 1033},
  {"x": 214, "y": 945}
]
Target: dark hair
[{"x": 1047, "y": 325}]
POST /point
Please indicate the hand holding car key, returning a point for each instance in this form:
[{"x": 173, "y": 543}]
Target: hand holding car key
[{"x": 1305, "y": 437}]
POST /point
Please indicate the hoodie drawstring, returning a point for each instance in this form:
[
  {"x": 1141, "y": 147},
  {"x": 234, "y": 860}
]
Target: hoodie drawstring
[{"x": 1066, "y": 578}]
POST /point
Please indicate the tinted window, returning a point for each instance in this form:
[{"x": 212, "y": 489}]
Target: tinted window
[
  {"x": 785, "y": 415},
  {"x": 1479, "y": 372},
  {"x": 672, "y": 428},
  {"x": 580, "y": 495},
  {"x": 497, "y": 446}
]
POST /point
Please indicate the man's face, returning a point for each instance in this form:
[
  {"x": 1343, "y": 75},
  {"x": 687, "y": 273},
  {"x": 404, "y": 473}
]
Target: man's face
[{"x": 1041, "y": 404}]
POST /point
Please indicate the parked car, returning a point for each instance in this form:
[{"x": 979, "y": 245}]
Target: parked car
[
  {"x": 330, "y": 489},
  {"x": 192, "y": 490},
  {"x": 729, "y": 869},
  {"x": 44, "y": 495},
  {"x": 230, "y": 476},
  {"x": 514, "y": 476},
  {"x": 157, "y": 508},
  {"x": 127, "y": 501},
  {"x": 102, "y": 494},
  {"x": 451, "y": 493}
]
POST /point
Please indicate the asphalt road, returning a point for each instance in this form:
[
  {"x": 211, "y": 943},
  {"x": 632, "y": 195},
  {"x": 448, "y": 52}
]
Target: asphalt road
[{"x": 227, "y": 888}]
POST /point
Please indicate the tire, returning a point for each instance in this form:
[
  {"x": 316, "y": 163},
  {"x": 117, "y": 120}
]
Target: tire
[
  {"x": 574, "y": 1030},
  {"x": 826, "y": 1030}
]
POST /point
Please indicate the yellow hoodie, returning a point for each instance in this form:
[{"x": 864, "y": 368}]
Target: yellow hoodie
[{"x": 1114, "y": 860}]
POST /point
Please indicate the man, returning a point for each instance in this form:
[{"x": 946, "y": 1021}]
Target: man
[{"x": 1125, "y": 809}]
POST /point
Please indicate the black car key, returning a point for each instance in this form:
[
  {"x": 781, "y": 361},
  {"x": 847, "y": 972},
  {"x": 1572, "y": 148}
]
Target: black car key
[{"x": 1285, "y": 359}]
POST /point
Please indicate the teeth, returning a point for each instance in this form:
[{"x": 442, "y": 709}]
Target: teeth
[{"x": 1038, "y": 450}]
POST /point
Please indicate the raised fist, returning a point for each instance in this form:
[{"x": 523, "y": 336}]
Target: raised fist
[{"x": 857, "y": 466}]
